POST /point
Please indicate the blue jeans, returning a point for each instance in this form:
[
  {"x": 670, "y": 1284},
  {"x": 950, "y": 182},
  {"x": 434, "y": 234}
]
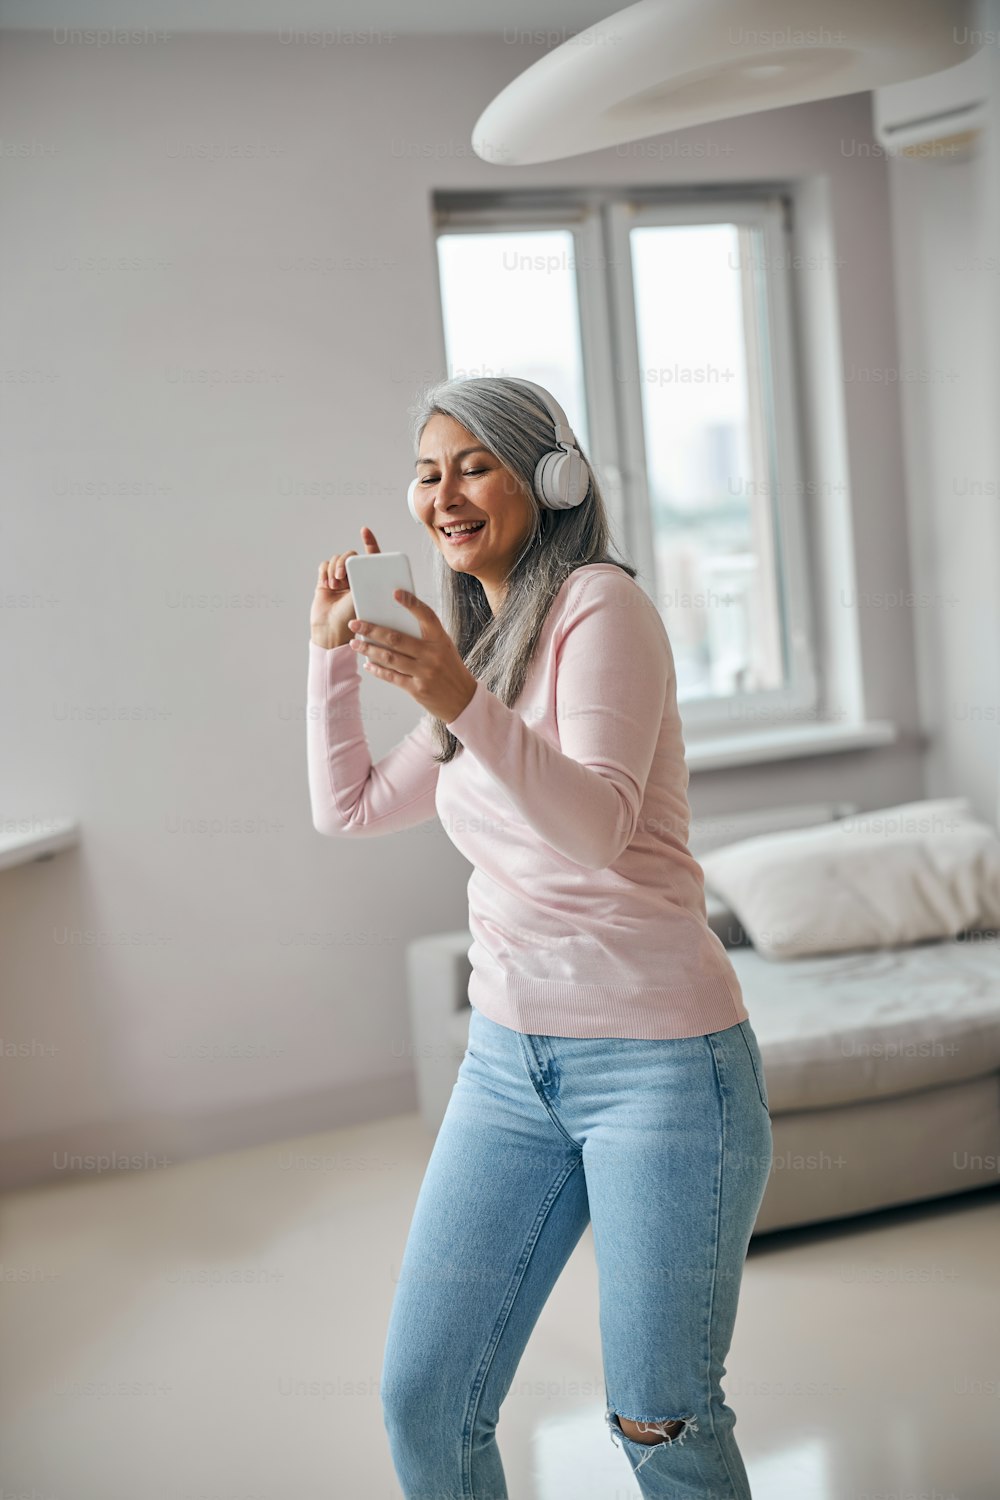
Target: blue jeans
[{"x": 665, "y": 1147}]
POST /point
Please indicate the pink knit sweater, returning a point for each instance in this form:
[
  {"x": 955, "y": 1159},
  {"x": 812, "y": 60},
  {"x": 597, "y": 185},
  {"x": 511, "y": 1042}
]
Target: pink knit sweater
[{"x": 586, "y": 908}]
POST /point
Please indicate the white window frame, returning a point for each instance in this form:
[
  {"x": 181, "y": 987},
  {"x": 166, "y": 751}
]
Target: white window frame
[{"x": 600, "y": 221}]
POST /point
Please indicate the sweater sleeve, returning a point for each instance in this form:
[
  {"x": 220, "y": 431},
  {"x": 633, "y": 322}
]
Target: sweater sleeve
[
  {"x": 350, "y": 795},
  {"x": 614, "y": 666}
]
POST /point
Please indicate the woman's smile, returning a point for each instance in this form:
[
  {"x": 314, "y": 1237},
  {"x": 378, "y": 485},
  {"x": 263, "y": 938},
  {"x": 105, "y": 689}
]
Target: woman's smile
[{"x": 462, "y": 538}]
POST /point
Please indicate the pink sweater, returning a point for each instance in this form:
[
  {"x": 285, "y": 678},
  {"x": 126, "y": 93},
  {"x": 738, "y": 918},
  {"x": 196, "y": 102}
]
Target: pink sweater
[{"x": 586, "y": 908}]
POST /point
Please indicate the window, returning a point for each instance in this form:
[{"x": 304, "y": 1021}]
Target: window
[
  {"x": 663, "y": 326},
  {"x": 513, "y": 297}
]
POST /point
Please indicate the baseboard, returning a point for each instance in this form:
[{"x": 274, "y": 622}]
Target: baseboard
[{"x": 151, "y": 1141}]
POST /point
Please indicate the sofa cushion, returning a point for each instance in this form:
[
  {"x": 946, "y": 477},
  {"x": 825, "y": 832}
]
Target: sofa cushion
[
  {"x": 894, "y": 875},
  {"x": 840, "y": 1028}
]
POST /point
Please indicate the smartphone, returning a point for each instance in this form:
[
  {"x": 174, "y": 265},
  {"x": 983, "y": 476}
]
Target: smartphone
[{"x": 373, "y": 576}]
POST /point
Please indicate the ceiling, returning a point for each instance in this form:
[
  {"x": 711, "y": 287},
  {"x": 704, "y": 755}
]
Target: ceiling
[{"x": 563, "y": 18}]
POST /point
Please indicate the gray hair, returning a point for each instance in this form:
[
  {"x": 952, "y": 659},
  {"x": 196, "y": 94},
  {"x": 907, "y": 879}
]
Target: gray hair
[{"x": 497, "y": 649}]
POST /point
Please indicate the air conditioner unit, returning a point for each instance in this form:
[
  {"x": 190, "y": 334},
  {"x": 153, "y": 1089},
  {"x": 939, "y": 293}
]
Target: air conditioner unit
[{"x": 937, "y": 117}]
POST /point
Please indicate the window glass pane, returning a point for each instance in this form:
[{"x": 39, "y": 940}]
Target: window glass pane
[
  {"x": 510, "y": 307},
  {"x": 707, "y": 458}
]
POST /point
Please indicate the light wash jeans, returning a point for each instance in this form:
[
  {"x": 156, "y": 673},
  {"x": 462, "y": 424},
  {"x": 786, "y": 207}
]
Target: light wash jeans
[{"x": 665, "y": 1147}]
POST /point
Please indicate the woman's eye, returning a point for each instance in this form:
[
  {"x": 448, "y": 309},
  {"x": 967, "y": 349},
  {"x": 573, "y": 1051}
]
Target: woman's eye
[{"x": 433, "y": 478}]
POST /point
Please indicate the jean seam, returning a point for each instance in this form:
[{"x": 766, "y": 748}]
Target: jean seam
[
  {"x": 479, "y": 1383},
  {"x": 761, "y": 1089},
  {"x": 544, "y": 1102},
  {"x": 721, "y": 1093}
]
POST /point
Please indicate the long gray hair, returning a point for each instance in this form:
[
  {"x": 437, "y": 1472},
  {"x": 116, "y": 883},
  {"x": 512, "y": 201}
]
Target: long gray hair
[{"x": 497, "y": 649}]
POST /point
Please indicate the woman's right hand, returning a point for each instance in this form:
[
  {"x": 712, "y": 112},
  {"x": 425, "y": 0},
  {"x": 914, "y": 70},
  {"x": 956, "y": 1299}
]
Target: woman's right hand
[{"x": 332, "y": 604}]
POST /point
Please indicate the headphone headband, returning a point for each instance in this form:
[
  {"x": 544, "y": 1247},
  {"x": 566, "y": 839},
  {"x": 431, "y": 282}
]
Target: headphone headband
[{"x": 564, "y": 432}]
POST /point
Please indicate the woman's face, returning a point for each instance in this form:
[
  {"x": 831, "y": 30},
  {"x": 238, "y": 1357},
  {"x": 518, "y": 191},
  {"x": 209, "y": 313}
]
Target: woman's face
[{"x": 460, "y": 481}]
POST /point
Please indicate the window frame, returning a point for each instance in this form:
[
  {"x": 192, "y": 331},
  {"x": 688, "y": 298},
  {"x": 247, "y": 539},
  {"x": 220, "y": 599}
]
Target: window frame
[{"x": 600, "y": 221}]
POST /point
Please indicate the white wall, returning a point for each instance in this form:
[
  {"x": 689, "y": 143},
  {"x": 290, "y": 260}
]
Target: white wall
[
  {"x": 946, "y": 242},
  {"x": 267, "y": 940}
]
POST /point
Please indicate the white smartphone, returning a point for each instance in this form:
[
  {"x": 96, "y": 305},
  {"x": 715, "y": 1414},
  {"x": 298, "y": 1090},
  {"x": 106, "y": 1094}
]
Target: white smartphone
[{"x": 372, "y": 577}]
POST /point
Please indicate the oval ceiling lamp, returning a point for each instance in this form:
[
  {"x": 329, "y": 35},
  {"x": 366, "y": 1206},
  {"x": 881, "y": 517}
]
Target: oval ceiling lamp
[{"x": 665, "y": 65}]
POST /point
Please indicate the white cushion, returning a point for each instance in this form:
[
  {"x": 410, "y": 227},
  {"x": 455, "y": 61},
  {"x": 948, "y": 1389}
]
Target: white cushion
[
  {"x": 847, "y": 1027},
  {"x": 879, "y": 879}
]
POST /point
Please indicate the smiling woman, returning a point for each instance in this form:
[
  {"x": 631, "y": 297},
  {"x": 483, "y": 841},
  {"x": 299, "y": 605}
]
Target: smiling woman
[{"x": 611, "y": 1073}]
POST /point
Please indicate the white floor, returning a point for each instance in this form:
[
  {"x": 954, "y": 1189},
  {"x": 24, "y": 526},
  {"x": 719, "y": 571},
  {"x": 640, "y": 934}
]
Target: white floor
[{"x": 213, "y": 1331}]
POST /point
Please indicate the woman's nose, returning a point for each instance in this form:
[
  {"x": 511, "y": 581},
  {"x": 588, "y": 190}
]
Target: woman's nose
[{"x": 448, "y": 488}]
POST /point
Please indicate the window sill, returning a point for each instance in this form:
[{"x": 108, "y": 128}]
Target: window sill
[
  {"x": 787, "y": 742},
  {"x": 38, "y": 843}
]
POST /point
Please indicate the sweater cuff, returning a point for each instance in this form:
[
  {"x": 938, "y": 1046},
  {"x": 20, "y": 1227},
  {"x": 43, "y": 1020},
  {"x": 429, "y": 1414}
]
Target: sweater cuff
[
  {"x": 472, "y": 726},
  {"x": 327, "y": 665}
]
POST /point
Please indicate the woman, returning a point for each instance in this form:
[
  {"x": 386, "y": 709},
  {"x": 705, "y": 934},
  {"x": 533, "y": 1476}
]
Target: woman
[{"x": 612, "y": 1074}]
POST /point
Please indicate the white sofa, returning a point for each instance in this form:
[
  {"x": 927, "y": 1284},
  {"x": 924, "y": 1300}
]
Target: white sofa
[{"x": 882, "y": 1068}]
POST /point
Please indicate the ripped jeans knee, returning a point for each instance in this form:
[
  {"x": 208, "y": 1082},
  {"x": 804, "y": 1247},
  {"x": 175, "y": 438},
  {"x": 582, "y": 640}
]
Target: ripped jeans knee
[{"x": 690, "y": 1424}]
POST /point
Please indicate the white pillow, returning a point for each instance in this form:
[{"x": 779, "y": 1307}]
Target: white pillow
[{"x": 877, "y": 879}]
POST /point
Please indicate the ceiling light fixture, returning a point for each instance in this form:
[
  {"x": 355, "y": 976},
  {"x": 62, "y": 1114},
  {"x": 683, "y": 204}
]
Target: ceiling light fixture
[{"x": 664, "y": 65}]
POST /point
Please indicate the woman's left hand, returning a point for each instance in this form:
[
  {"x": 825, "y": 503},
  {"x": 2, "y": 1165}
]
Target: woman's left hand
[{"x": 427, "y": 666}]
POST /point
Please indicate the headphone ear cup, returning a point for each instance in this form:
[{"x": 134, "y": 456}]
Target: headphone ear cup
[
  {"x": 410, "y": 500},
  {"x": 545, "y": 479},
  {"x": 561, "y": 479}
]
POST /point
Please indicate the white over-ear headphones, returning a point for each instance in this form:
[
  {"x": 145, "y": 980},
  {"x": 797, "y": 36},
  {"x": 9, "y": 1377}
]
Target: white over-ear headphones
[{"x": 562, "y": 478}]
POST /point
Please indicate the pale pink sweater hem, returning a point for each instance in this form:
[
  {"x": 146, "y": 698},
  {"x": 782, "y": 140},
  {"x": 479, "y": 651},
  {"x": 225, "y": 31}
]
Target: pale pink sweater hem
[{"x": 565, "y": 1008}]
